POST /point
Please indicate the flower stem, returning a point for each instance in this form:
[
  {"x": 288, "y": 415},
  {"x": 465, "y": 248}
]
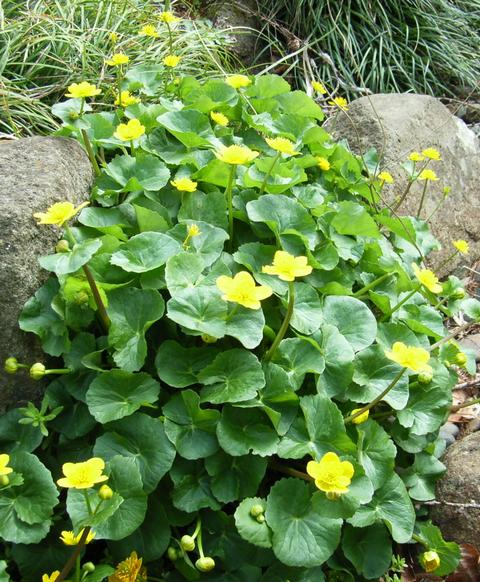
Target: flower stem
[
  {"x": 289, "y": 471},
  {"x": 283, "y": 328},
  {"x": 453, "y": 335},
  {"x": 371, "y": 285},
  {"x": 87, "y": 501},
  {"x": 422, "y": 198},
  {"x": 198, "y": 536},
  {"x": 90, "y": 154},
  {"x": 228, "y": 195},
  {"x": 58, "y": 371},
  {"x": 375, "y": 400},
  {"x": 170, "y": 38},
  {"x": 73, "y": 558},
  {"x": 77, "y": 569},
  {"x": 400, "y": 303},
  {"x": 269, "y": 171}
]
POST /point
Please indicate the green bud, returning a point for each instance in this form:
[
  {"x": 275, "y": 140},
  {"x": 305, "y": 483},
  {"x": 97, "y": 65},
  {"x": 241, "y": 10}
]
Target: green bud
[
  {"x": 256, "y": 510},
  {"x": 62, "y": 246},
  {"x": 4, "y": 480},
  {"x": 187, "y": 543},
  {"x": 172, "y": 554},
  {"x": 446, "y": 191},
  {"x": 105, "y": 492},
  {"x": 37, "y": 371},
  {"x": 430, "y": 560},
  {"x": 81, "y": 297},
  {"x": 73, "y": 115},
  {"x": 88, "y": 567},
  {"x": 260, "y": 518},
  {"x": 208, "y": 339},
  {"x": 205, "y": 564},
  {"x": 425, "y": 377},
  {"x": 458, "y": 293},
  {"x": 332, "y": 495},
  {"x": 11, "y": 365},
  {"x": 461, "y": 359}
]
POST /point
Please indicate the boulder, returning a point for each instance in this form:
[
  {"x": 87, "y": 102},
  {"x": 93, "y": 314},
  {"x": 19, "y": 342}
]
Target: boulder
[
  {"x": 460, "y": 485},
  {"x": 397, "y": 124},
  {"x": 36, "y": 172}
]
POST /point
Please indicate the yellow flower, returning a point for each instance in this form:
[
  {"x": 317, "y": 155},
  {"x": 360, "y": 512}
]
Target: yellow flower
[
  {"x": 236, "y": 154},
  {"x": 171, "y": 60},
  {"x": 184, "y": 184},
  {"x": 148, "y": 30},
  {"x": 53, "y": 576},
  {"x": 361, "y": 417},
  {"x": 83, "y": 475},
  {"x": 432, "y": 154},
  {"x": 415, "y": 157},
  {"x": 283, "y": 145},
  {"x": 117, "y": 60},
  {"x": 82, "y": 90},
  {"x": 331, "y": 474},
  {"x": 323, "y": 163},
  {"x": 126, "y": 99},
  {"x": 70, "y": 539},
  {"x": 461, "y": 246},
  {"x": 386, "y": 177},
  {"x": 241, "y": 289},
  {"x": 415, "y": 359},
  {"x": 4, "y": 460},
  {"x": 219, "y": 118},
  {"x": 238, "y": 81},
  {"x": 193, "y": 230},
  {"x": 319, "y": 88},
  {"x": 113, "y": 36},
  {"x": 430, "y": 560},
  {"x": 168, "y": 17},
  {"x": 427, "y": 278},
  {"x": 59, "y": 213},
  {"x": 130, "y": 570},
  {"x": 427, "y": 175},
  {"x": 129, "y": 131},
  {"x": 339, "y": 102},
  {"x": 287, "y": 267}
]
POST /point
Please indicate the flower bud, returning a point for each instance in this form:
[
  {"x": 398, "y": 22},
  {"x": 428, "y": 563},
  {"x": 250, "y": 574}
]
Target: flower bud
[
  {"x": 172, "y": 554},
  {"x": 260, "y": 518},
  {"x": 73, "y": 115},
  {"x": 187, "y": 543},
  {"x": 430, "y": 560},
  {"x": 425, "y": 377},
  {"x": 332, "y": 495},
  {"x": 105, "y": 492},
  {"x": 208, "y": 339},
  {"x": 81, "y": 297},
  {"x": 4, "y": 480},
  {"x": 205, "y": 564},
  {"x": 88, "y": 567},
  {"x": 458, "y": 293},
  {"x": 62, "y": 246},
  {"x": 256, "y": 510},
  {"x": 37, "y": 371},
  {"x": 361, "y": 417},
  {"x": 11, "y": 365},
  {"x": 461, "y": 359}
]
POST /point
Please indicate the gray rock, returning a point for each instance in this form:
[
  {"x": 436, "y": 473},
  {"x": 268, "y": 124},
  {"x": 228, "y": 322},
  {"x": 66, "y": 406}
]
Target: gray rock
[
  {"x": 35, "y": 173},
  {"x": 472, "y": 342},
  {"x": 448, "y": 432},
  {"x": 398, "y": 124},
  {"x": 460, "y": 485}
]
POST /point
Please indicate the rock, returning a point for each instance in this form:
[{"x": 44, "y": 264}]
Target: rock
[
  {"x": 471, "y": 342},
  {"x": 448, "y": 432},
  {"x": 36, "y": 172},
  {"x": 460, "y": 484},
  {"x": 398, "y": 124}
]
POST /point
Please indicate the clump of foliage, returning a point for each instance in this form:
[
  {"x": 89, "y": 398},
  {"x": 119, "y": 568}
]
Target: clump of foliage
[
  {"x": 253, "y": 374},
  {"x": 420, "y": 46},
  {"x": 48, "y": 44}
]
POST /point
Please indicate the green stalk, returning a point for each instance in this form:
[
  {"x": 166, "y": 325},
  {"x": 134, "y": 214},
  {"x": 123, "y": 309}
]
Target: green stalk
[
  {"x": 283, "y": 328},
  {"x": 269, "y": 171},
  {"x": 377, "y": 399},
  {"x": 58, "y": 371},
  {"x": 371, "y": 285},
  {"x": 73, "y": 558},
  {"x": 91, "y": 155},
  {"x": 228, "y": 195},
  {"x": 77, "y": 569},
  {"x": 420, "y": 206},
  {"x": 170, "y": 38},
  {"x": 87, "y": 501},
  {"x": 400, "y": 303}
]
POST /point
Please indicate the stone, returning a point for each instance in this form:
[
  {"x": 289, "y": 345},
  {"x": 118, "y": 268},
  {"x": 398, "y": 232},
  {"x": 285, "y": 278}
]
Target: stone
[
  {"x": 36, "y": 172},
  {"x": 460, "y": 485},
  {"x": 397, "y": 124}
]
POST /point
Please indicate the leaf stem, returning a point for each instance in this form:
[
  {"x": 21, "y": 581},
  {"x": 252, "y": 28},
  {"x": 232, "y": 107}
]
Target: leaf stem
[
  {"x": 90, "y": 154},
  {"x": 376, "y": 400},
  {"x": 371, "y": 285},
  {"x": 465, "y": 404},
  {"x": 400, "y": 303},
  {"x": 228, "y": 195},
  {"x": 286, "y": 321},
  {"x": 269, "y": 171},
  {"x": 289, "y": 471}
]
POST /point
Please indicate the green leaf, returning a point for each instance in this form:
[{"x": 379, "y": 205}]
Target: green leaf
[
  {"x": 353, "y": 219},
  {"x": 352, "y": 318},
  {"x": 300, "y": 538},
  {"x": 106, "y": 220},
  {"x": 132, "y": 311},
  {"x": 179, "y": 366},
  {"x": 307, "y": 312},
  {"x": 278, "y": 398},
  {"x": 150, "y": 220},
  {"x": 190, "y": 127},
  {"x": 244, "y": 430},
  {"x": 234, "y": 478},
  {"x": 78, "y": 512},
  {"x": 26, "y": 507},
  {"x": 339, "y": 356},
  {"x": 392, "y": 505},
  {"x": 449, "y": 552},
  {"x": 283, "y": 215},
  {"x": 183, "y": 271},
  {"x": 116, "y": 393},
  {"x": 141, "y": 438},
  {"x": 145, "y": 252},
  {"x": 39, "y": 317},
  {"x": 200, "y": 309},
  {"x": 298, "y": 103},
  {"x": 376, "y": 452},
  {"x": 234, "y": 376},
  {"x": 369, "y": 549},
  {"x": 15, "y": 436},
  {"x": 192, "y": 489},
  {"x": 143, "y": 172},
  {"x": 208, "y": 244},
  {"x": 246, "y": 325},
  {"x": 248, "y": 527},
  {"x": 421, "y": 477},
  {"x": 266, "y": 86},
  {"x": 189, "y": 427},
  {"x": 210, "y": 207},
  {"x": 71, "y": 262},
  {"x": 299, "y": 356}
]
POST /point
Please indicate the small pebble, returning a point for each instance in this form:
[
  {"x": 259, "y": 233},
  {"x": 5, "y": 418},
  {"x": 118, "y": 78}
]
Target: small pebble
[{"x": 448, "y": 432}]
